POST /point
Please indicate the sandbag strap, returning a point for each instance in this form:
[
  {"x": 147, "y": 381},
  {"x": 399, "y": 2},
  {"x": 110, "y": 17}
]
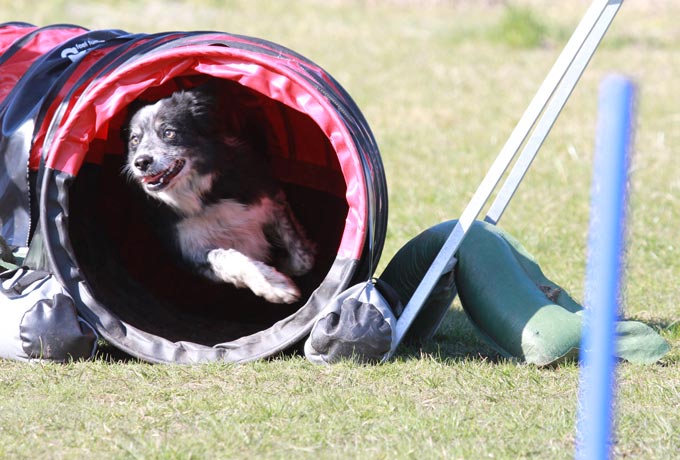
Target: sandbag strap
[{"x": 22, "y": 282}]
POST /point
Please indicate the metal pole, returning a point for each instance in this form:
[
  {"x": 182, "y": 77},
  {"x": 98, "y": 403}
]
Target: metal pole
[
  {"x": 445, "y": 260},
  {"x": 552, "y": 111}
]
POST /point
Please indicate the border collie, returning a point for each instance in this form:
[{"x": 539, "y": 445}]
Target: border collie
[{"x": 224, "y": 214}]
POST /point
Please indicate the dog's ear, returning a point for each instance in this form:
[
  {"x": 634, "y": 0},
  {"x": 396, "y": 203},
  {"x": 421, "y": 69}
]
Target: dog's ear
[
  {"x": 207, "y": 89},
  {"x": 204, "y": 107}
]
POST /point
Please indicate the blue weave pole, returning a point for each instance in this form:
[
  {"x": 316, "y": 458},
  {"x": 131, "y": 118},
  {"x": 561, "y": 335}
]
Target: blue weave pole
[{"x": 606, "y": 246}]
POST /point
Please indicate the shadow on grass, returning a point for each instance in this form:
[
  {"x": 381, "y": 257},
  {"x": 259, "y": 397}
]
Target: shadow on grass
[
  {"x": 456, "y": 340},
  {"x": 110, "y": 354}
]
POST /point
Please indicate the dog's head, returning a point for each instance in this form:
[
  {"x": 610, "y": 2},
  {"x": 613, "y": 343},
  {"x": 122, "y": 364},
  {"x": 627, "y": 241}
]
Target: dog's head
[{"x": 171, "y": 147}]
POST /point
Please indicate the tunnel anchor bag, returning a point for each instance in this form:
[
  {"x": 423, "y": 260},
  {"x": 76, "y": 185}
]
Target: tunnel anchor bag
[{"x": 40, "y": 320}]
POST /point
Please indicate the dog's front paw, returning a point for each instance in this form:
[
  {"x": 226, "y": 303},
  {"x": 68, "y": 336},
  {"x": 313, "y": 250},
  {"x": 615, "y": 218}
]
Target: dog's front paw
[
  {"x": 275, "y": 286},
  {"x": 265, "y": 281}
]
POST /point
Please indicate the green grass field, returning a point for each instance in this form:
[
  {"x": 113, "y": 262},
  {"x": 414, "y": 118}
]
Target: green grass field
[{"x": 442, "y": 84}]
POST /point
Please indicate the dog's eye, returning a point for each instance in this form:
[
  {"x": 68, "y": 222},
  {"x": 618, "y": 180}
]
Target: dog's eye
[
  {"x": 169, "y": 134},
  {"x": 134, "y": 140}
]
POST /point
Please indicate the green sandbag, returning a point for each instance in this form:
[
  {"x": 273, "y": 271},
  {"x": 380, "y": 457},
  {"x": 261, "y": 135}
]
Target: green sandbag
[
  {"x": 407, "y": 268},
  {"x": 514, "y": 307}
]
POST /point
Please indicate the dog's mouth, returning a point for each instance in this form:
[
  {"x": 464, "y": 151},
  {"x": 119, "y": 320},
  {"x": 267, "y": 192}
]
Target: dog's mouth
[{"x": 161, "y": 180}]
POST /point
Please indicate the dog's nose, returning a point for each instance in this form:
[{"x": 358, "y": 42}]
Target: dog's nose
[{"x": 143, "y": 162}]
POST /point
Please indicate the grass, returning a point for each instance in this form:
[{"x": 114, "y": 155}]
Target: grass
[
  {"x": 519, "y": 27},
  {"x": 442, "y": 84}
]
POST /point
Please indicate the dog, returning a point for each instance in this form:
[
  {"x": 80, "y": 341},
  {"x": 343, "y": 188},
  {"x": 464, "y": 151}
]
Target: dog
[{"x": 220, "y": 209}]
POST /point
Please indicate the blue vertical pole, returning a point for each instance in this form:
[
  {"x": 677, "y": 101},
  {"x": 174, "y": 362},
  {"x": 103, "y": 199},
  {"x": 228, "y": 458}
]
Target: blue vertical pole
[{"x": 606, "y": 245}]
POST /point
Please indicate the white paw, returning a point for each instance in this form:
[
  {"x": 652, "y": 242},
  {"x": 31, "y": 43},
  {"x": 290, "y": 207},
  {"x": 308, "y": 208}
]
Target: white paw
[
  {"x": 274, "y": 286},
  {"x": 233, "y": 267}
]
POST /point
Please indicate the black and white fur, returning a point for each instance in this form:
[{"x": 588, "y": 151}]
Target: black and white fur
[{"x": 223, "y": 212}]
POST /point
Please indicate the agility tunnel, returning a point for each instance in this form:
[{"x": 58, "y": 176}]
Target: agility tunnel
[{"x": 64, "y": 94}]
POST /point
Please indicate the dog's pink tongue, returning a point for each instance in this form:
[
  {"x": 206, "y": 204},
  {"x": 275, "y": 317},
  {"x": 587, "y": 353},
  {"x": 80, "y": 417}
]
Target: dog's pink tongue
[{"x": 156, "y": 178}]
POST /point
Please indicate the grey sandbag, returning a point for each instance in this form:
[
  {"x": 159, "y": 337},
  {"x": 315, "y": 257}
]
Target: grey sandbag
[
  {"x": 357, "y": 324},
  {"x": 39, "y": 321}
]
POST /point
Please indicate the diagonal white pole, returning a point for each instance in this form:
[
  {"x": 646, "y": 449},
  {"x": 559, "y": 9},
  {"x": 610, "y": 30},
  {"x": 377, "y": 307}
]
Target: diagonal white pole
[
  {"x": 445, "y": 260},
  {"x": 551, "y": 113}
]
